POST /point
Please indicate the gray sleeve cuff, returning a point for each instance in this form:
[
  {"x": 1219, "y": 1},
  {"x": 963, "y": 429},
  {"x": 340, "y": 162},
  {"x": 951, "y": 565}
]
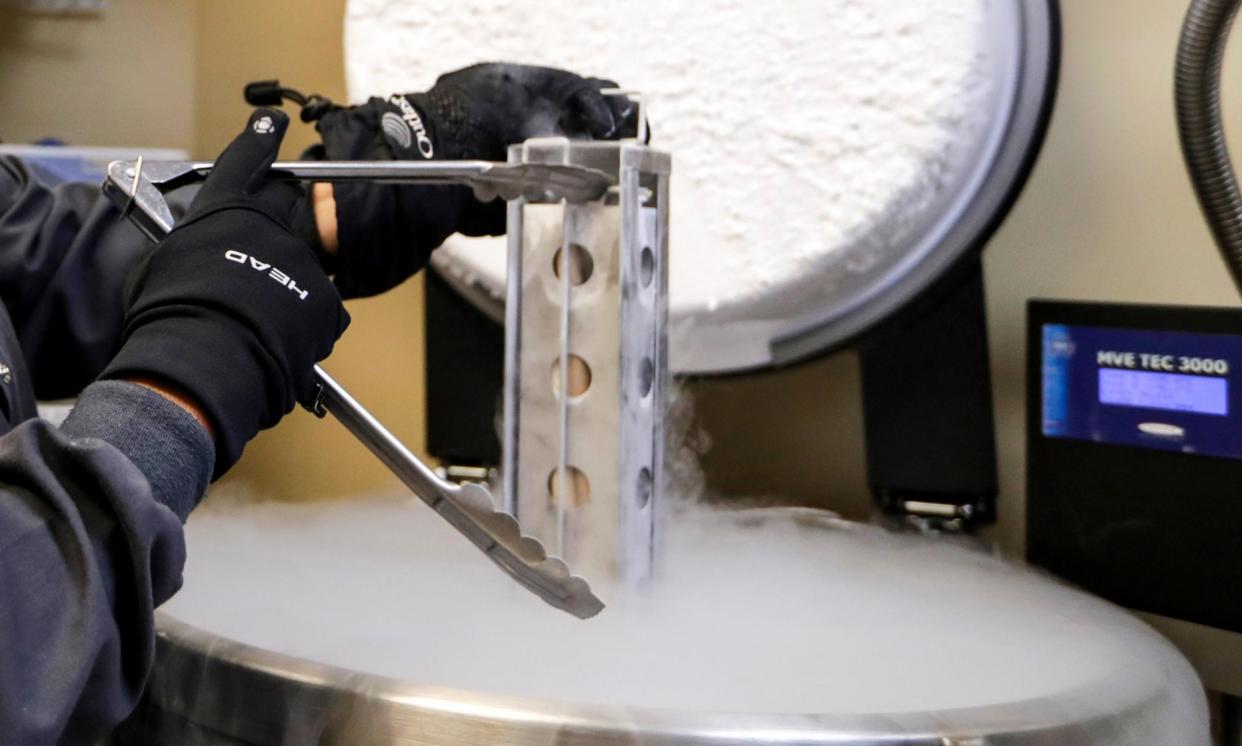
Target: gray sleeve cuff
[{"x": 163, "y": 440}]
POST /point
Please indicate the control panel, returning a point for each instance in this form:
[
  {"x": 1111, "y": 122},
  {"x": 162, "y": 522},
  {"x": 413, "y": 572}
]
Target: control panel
[{"x": 1134, "y": 454}]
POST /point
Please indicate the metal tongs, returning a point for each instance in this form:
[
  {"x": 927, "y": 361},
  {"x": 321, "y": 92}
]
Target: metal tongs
[{"x": 139, "y": 189}]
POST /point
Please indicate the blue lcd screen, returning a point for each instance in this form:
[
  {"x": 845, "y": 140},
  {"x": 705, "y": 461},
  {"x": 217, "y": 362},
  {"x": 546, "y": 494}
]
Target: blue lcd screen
[
  {"x": 1174, "y": 392},
  {"x": 1148, "y": 389}
]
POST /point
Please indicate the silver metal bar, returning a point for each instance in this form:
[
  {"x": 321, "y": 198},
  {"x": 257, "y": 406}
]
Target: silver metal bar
[
  {"x": 587, "y": 293},
  {"x": 468, "y": 507},
  {"x": 564, "y": 497},
  {"x": 489, "y": 180}
]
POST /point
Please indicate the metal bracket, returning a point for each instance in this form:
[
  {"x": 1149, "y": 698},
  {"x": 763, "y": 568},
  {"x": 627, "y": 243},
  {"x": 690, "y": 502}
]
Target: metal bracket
[{"x": 316, "y": 406}]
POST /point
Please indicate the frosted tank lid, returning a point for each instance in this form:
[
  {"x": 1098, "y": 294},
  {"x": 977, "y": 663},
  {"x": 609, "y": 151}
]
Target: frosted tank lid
[
  {"x": 831, "y": 161},
  {"x": 368, "y": 620}
]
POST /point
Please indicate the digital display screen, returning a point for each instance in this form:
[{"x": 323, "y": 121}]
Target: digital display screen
[
  {"x": 1143, "y": 388},
  {"x": 1172, "y": 391}
]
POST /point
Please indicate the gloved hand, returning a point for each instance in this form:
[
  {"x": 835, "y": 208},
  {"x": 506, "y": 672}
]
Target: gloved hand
[
  {"x": 231, "y": 308},
  {"x": 386, "y": 233}
]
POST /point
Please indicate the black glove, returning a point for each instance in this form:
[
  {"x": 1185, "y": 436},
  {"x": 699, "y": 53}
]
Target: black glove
[
  {"x": 387, "y": 233},
  {"x": 230, "y": 307}
]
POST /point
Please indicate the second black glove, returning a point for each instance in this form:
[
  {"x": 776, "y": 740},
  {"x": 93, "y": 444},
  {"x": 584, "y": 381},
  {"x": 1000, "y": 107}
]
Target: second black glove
[{"x": 387, "y": 233}]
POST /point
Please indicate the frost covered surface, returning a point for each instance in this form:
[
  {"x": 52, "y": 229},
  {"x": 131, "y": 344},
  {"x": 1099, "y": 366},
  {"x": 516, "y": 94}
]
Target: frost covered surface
[
  {"x": 757, "y": 616},
  {"x": 801, "y": 132}
]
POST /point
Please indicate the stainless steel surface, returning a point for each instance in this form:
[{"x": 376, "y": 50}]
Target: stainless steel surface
[
  {"x": 467, "y": 507},
  {"x": 584, "y": 467},
  {"x": 235, "y": 693},
  {"x": 241, "y": 694},
  {"x": 138, "y": 183},
  {"x": 488, "y": 180}
]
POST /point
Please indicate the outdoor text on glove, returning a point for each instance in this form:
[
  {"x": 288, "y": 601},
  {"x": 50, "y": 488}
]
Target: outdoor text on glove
[{"x": 387, "y": 233}]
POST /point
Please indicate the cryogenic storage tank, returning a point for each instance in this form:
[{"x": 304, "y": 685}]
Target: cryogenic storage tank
[{"x": 368, "y": 622}]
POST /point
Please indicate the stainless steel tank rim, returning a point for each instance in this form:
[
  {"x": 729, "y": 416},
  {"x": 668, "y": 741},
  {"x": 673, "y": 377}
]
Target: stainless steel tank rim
[{"x": 247, "y": 693}]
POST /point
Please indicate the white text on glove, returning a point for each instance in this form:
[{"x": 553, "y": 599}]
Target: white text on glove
[
  {"x": 258, "y": 266},
  {"x": 410, "y": 116}
]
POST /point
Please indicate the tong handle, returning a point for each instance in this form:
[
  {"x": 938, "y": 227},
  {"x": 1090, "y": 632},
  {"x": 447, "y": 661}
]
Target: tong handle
[{"x": 140, "y": 186}]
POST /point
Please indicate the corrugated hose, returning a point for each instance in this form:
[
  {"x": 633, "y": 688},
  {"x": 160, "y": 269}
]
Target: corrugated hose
[{"x": 1197, "y": 93}]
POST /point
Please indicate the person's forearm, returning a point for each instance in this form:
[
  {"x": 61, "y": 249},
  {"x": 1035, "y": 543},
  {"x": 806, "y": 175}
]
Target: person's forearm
[
  {"x": 87, "y": 552},
  {"x": 324, "y": 202},
  {"x": 160, "y": 429},
  {"x": 179, "y": 397}
]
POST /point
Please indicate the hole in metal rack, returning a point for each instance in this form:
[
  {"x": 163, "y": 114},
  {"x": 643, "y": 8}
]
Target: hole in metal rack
[
  {"x": 646, "y": 266},
  {"x": 644, "y": 487},
  {"x": 579, "y": 377},
  {"x": 646, "y": 376},
  {"x": 581, "y": 265},
  {"x": 577, "y": 486}
]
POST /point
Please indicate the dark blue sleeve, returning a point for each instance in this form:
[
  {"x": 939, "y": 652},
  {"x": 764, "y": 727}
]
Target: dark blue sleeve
[
  {"x": 90, "y": 543},
  {"x": 64, "y": 257}
]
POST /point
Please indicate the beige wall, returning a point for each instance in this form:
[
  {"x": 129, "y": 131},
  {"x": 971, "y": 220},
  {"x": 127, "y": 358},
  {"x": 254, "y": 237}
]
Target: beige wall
[
  {"x": 121, "y": 77},
  {"x": 238, "y": 42},
  {"x": 380, "y": 359},
  {"x": 1108, "y": 215}
]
